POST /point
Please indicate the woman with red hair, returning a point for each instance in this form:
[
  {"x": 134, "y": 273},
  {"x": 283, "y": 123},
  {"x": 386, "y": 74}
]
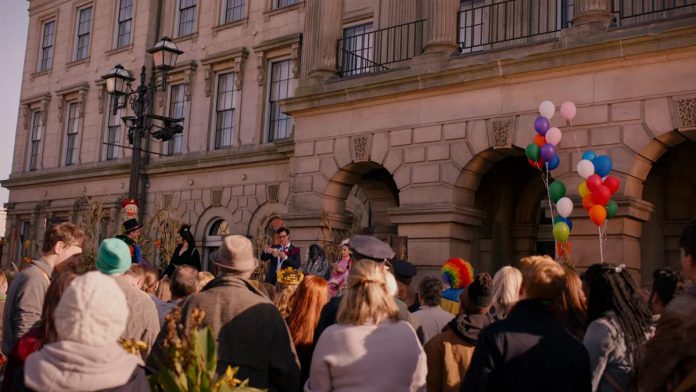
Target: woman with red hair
[{"x": 306, "y": 303}]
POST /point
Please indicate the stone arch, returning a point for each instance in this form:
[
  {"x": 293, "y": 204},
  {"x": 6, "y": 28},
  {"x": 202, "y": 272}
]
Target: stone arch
[
  {"x": 210, "y": 215},
  {"x": 264, "y": 214}
]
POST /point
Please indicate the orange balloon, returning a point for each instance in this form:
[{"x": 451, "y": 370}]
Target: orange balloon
[
  {"x": 583, "y": 190},
  {"x": 539, "y": 140},
  {"x": 587, "y": 202},
  {"x": 598, "y": 214}
]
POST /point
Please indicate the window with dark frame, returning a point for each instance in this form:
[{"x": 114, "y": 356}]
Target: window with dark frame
[
  {"x": 46, "y": 56},
  {"x": 358, "y": 49},
  {"x": 113, "y": 132},
  {"x": 177, "y": 104},
  {"x": 233, "y": 11},
  {"x": 35, "y": 145},
  {"x": 281, "y": 86},
  {"x": 187, "y": 17},
  {"x": 125, "y": 23},
  {"x": 224, "y": 110},
  {"x": 84, "y": 28},
  {"x": 71, "y": 151},
  {"x": 277, "y": 4}
]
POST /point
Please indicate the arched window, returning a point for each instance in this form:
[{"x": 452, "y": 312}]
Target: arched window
[{"x": 217, "y": 230}]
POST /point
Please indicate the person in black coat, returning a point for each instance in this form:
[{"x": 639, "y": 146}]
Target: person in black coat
[
  {"x": 281, "y": 256},
  {"x": 530, "y": 350},
  {"x": 185, "y": 252}
]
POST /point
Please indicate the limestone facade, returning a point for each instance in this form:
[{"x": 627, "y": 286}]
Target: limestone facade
[{"x": 428, "y": 151}]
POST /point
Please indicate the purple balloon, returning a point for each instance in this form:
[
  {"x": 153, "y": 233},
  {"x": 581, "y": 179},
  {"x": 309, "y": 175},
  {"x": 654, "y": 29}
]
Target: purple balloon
[
  {"x": 541, "y": 125},
  {"x": 548, "y": 151}
]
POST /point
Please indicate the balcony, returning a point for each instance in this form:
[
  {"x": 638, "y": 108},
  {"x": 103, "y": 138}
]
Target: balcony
[
  {"x": 379, "y": 50},
  {"x": 630, "y": 12}
]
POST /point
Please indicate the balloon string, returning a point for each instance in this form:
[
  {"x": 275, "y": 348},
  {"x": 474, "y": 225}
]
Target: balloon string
[
  {"x": 545, "y": 179},
  {"x": 577, "y": 147}
]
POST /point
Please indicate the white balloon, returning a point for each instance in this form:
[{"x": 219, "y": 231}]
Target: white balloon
[
  {"x": 564, "y": 206},
  {"x": 568, "y": 110},
  {"x": 547, "y": 109},
  {"x": 585, "y": 168},
  {"x": 553, "y": 136}
]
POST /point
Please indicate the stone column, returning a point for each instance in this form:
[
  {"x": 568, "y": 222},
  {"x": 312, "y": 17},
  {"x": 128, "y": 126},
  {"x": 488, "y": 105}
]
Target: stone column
[
  {"x": 397, "y": 12},
  {"x": 441, "y": 26},
  {"x": 593, "y": 11},
  {"x": 323, "y": 29}
]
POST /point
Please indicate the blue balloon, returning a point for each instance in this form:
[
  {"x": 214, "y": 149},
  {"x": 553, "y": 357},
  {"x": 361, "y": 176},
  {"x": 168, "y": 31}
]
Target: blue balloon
[
  {"x": 541, "y": 125},
  {"x": 569, "y": 222},
  {"x": 602, "y": 165},
  {"x": 589, "y": 155},
  {"x": 555, "y": 161}
]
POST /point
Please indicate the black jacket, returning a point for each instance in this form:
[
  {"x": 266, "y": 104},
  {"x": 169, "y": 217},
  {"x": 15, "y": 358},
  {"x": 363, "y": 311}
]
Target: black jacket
[
  {"x": 190, "y": 257},
  {"x": 528, "y": 351}
]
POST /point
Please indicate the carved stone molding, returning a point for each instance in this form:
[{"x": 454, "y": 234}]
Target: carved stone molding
[
  {"x": 229, "y": 61},
  {"x": 39, "y": 102},
  {"x": 216, "y": 197},
  {"x": 207, "y": 79},
  {"x": 361, "y": 148},
  {"x": 501, "y": 130},
  {"x": 260, "y": 67},
  {"x": 272, "y": 192},
  {"x": 76, "y": 93},
  {"x": 295, "y": 55},
  {"x": 686, "y": 112}
]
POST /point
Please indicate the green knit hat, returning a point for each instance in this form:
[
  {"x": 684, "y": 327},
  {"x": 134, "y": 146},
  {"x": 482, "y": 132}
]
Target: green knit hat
[{"x": 114, "y": 257}]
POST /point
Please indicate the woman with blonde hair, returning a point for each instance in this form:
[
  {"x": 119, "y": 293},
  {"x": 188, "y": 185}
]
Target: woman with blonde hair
[
  {"x": 506, "y": 292},
  {"x": 306, "y": 304},
  {"x": 369, "y": 349}
]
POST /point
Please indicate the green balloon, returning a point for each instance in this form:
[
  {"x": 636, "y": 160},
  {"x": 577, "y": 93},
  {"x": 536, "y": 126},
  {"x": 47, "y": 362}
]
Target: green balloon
[
  {"x": 612, "y": 208},
  {"x": 561, "y": 231},
  {"x": 532, "y": 151},
  {"x": 556, "y": 190}
]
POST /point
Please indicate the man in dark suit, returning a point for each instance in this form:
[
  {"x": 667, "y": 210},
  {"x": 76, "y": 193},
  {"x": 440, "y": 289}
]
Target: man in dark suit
[{"x": 281, "y": 256}]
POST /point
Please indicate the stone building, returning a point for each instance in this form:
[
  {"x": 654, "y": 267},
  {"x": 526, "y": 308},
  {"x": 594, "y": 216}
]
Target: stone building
[{"x": 408, "y": 119}]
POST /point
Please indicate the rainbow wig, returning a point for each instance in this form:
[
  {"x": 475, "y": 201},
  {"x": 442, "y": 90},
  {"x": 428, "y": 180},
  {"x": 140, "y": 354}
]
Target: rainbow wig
[{"x": 457, "y": 273}]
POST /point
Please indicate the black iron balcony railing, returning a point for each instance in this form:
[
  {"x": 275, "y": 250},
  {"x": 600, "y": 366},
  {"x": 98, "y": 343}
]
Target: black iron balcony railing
[
  {"x": 379, "y": 50},
  {"x": 629, "y": 12},
  {"x": 508, "y": 23}
]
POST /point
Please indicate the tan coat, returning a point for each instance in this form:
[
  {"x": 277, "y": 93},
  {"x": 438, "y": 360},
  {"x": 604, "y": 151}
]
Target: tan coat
[
  {"x": 449, "y": 353},
  {"x": 671, "y": 354},
  {"x": 143, "y": 322}
]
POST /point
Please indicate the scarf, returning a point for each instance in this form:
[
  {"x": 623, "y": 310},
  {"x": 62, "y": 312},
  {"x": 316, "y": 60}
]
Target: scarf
[{"x": 72, "y": 366}]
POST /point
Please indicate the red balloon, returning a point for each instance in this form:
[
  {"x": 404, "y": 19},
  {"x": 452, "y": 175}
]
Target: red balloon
[
  {"x": 539, "y": 140},
  {"x": 598, "y": 214},
  {"x": 563, "y": 249},
  {"x": 601, "y": 196},
  {"x": 537, "y": 165},
  {"x": 593, "y": 182},
  {"x": 612, "y": 183},
  {"x": 587, "y": 202}
]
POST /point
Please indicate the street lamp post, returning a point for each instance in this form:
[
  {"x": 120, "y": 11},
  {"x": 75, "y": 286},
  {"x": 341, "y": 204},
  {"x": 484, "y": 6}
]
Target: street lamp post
[{"x": 118, "y": 85}]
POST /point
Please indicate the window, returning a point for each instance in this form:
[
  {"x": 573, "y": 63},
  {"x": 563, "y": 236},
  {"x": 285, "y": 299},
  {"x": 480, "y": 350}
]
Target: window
[
  {"x": 112, "y": 137},
  {"x": 187, "y": 17},
  {"x": 232, "y": 10},
  {"x": 283, "y": 3},
  {"x": 358, "y": 49},
  {"x": 281, "y": 86},
  {"x": 46, "y": 55},
  {"x": 71, "y": 142},
  {"x": 35, "y": 144},
  {"x": 24, "y": 245},
  {"x": 125, "y": 23},
  {"x": 224, "y": 110},
  {"x": 177, "y": 105},
  {"x": 84, "y": 26},
  {"x": 217, "y": 230}
]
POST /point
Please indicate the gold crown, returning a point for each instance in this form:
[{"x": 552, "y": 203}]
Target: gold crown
[{"x": 290, "y": 276}]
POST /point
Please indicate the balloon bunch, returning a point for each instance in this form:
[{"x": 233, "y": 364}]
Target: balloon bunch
[
  {"x": 597, "y": 189},
  {"x": 542, "y": 154}
]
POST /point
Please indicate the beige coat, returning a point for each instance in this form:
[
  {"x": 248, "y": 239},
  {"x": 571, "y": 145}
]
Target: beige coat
[{"x": 143, "y": 322}]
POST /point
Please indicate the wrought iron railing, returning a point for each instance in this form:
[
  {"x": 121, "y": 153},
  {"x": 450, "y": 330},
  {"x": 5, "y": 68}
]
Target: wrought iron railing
[
  {"x": 379, "y": 50},
  {"x": 629, "y": 12},
  {"x": 507, "y": 23}
]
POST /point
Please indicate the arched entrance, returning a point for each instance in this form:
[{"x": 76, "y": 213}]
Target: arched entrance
[
  {"x": 509, "y": 194},
  {"x": 215, "y": 231},
  {"x": 671, "y": 188}
]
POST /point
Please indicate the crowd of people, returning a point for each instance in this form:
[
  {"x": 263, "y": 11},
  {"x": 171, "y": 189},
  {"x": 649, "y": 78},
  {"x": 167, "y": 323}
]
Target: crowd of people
[{"x": 355, "y": 324}]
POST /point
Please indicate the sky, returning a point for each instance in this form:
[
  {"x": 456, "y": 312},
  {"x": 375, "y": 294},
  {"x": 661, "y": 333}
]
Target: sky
[{"x": 14, "y": 21}]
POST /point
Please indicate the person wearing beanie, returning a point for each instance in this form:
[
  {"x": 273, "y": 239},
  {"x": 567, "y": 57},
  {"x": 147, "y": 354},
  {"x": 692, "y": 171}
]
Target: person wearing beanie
[
  {"x": 449, "y": 352},
  {"x": 249, "y": 331},
  {"x": 90, "y": 317},
  {"x": 530, "y": 350},
  {"x": 185, "y": 252},
  {"x": 457, "y": 273},
  {"x": 114, "y": 260}
]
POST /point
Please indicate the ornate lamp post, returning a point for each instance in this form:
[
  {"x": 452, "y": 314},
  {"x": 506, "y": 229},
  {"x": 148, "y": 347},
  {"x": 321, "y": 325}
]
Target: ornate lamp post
[{"x": 118, "y": 85}]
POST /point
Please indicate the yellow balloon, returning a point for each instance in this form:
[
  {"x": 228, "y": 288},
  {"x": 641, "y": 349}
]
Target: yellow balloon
[{"x": 582, "y": 189}]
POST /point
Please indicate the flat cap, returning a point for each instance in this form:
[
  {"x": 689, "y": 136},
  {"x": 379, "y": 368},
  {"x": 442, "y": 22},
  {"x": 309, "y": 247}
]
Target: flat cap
[
  {"x": 369, "y": 247},
  {"x": 403, "y": 269}
]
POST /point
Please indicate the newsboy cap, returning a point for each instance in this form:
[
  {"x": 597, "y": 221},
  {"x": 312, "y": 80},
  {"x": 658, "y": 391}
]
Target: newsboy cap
[
  {"x": 369, "y": 247},
  {"x": 403, "y": 270}
]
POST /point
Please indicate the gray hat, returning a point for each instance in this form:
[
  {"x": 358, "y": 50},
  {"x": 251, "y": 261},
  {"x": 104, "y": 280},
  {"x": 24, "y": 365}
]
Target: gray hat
[
  {"x": 236, "y": 254},
  {"x": 369, "y": 247}
]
